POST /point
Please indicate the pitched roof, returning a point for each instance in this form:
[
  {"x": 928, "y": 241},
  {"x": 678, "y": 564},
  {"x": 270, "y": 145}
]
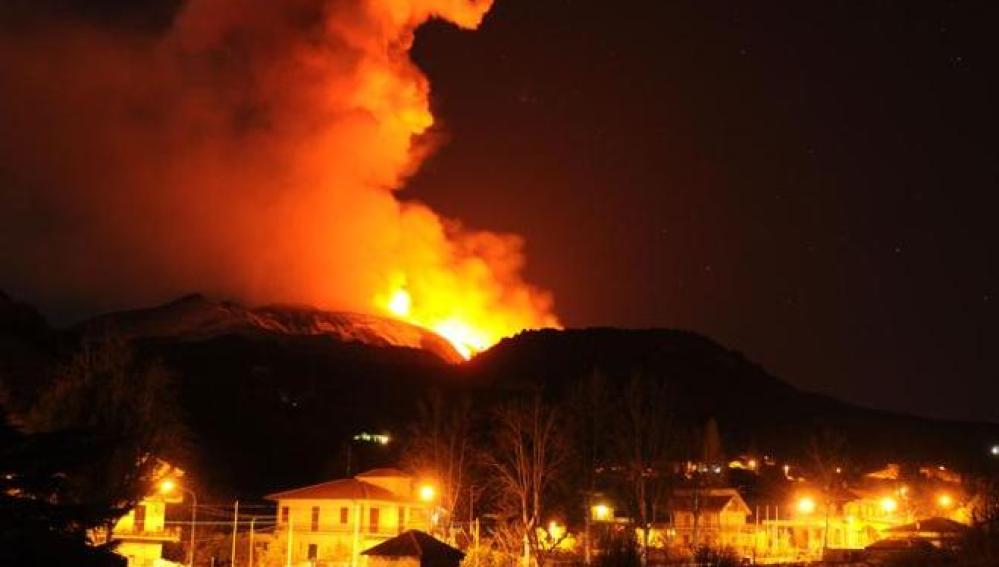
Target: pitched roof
[
  {"x": 937, "y": 525},
  {"x": 343, "y": 489},
  {"x": 706, "y": 503},
  {"x": 710, "y": 501},
  {"x": 414, "y": 543}
]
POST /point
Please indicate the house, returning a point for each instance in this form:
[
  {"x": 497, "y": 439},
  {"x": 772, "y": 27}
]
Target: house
[
  {"x": 713, "y": 517},
  {"x": 413, "y": 548},
  {"x": 330, "y": 524},
  {"x": 142, "y": 532}
]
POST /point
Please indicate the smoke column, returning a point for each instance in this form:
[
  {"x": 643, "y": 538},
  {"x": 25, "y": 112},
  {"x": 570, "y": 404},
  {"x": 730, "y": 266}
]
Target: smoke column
[{"x": 250, "y": 149}]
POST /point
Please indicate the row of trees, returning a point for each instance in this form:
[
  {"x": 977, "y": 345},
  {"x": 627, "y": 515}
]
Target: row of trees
[{"x": 531, "y": 459}]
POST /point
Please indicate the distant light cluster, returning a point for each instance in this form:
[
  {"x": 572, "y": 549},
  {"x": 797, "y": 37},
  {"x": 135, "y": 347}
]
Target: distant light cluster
[{"x": 379, "y": 438}]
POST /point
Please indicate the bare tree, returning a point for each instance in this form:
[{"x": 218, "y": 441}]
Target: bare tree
[
  {"x": 643, "y": 442},
  {"x": 439, "y": 448},
  {"x": 527, "y": 457}
]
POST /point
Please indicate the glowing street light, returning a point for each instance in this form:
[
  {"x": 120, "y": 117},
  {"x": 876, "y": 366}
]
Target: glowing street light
[
  {"x": 889, "y": 504},
  {"x": 806, "y": 505},
  {"x": 945, "y": 501},
  {"x": 428, "y": 493},
  {"x": 995, "y": 450},
  {"x": 601, "y": 512}
]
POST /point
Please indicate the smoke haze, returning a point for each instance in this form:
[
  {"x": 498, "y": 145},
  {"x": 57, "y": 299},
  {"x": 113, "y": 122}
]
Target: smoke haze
[{"x": 250, "y": 149}]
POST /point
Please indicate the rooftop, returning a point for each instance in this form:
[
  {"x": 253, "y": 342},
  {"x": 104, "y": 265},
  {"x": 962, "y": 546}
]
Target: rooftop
[
  {"x": 342, "y": 489},
  {"x": 414, "y": 543}
]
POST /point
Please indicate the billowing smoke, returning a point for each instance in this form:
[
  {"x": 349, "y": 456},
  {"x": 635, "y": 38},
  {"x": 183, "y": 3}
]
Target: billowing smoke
[{"x": 249, "y": 148}]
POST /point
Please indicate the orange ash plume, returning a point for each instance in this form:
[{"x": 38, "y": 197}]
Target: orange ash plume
[
  {"x": 465, "y": 286},
  {"x": 250, "y": 149}
]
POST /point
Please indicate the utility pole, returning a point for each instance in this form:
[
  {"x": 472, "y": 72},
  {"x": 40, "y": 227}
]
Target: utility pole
[
  {"x": 253, "y": 520},
  {"x": 235, "y": 524},
  {"x": 825, "y": 530},
  {"x": 194, "y": 522}
]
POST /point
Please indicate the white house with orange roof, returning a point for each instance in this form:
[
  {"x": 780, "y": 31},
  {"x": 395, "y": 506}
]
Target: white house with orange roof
[{"x": 331, "y": 523}]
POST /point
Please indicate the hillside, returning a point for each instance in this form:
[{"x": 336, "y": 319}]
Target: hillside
[
  {"x": 272, "y": 395},
  {"x": 753, "y": 408}
]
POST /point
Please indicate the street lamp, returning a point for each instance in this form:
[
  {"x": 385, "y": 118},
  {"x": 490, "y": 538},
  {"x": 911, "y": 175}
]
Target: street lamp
[
  {"x": 945, "y": 501},
  {"x": 889, "y": 504},
  {"x": 168, "y": 486},
  {"x": 427, "y": 493},
  {"x": 806, "y": 505}
]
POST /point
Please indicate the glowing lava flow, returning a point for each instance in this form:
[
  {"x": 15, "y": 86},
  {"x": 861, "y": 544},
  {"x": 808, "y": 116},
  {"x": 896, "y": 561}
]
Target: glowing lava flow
[{"x": 465, "y": 339}]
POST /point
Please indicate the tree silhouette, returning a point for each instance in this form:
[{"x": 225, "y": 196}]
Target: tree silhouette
[
  {"x": 439, "y": 446},
  {"x": 45, "y": 517},
  {"x": 643, "y": 438},
  {"x": 105, "y": 390},
  {"x": 527, "y": 457}
]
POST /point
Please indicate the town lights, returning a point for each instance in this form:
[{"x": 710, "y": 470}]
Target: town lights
[
  {"x": 428, "y": 493},
  {"x": 889, "y": 504},
  {"x": 995, "y": 451},
  {"x": 601, "y": 512},
  {"x": 376, "y": 438},
  {"x": 806, "y": 505},
  {"x": 945, "y": 501}
]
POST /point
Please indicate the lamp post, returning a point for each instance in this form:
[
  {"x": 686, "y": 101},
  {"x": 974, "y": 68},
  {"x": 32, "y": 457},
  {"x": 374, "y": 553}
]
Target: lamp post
[
  {"x": 168, "y": 486},
  {"x": 427, "y": 493}
]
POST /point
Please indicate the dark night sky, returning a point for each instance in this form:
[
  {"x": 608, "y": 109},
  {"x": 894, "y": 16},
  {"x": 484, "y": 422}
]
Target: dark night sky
[{"x": 812, "y": 183}]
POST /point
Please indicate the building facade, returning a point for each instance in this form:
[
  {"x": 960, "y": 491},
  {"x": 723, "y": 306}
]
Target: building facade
[
  {"x": 141, "y": 533},
  {"x": 332, "y": 523},
  {"x": 712, "y": 517}
]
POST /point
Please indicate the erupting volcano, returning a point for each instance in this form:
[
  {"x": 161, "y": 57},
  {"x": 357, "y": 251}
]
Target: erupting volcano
[{"x": 250, "y": 150}]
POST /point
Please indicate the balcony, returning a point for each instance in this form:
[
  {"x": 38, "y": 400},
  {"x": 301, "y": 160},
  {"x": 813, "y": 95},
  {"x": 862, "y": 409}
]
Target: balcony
[
  {"x": 382, "y": 531},
  {"x": 131, "y": 534}
]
